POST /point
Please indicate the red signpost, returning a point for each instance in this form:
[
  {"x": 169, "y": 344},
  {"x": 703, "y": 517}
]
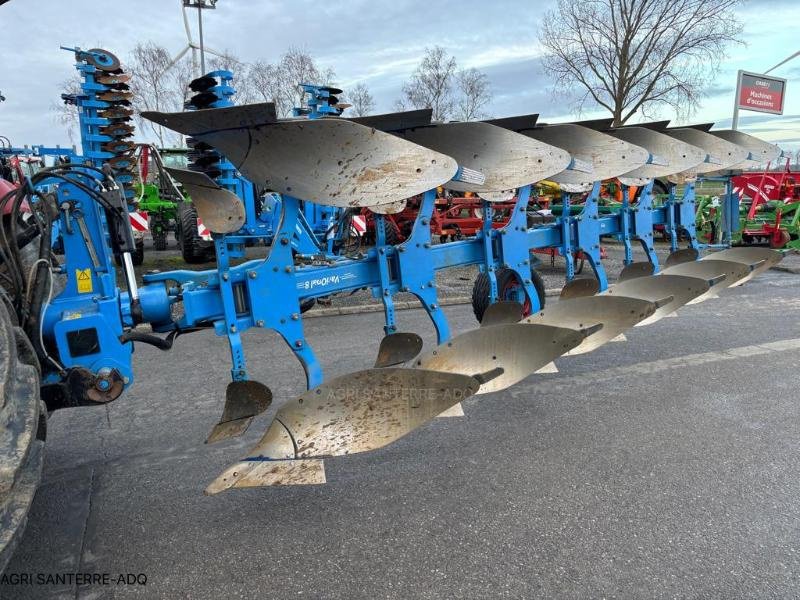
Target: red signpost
[{"x": 759, "y": 93}]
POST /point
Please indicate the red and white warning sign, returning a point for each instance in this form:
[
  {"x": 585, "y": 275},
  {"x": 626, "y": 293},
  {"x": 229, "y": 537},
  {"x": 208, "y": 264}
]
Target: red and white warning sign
[
  {"x": 203, "y": 231},
  {"x": 360, "y": 224},
  {"x": 138, "y": 220}
]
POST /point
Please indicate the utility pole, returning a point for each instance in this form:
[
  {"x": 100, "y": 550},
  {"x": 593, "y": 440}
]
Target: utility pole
[{"x": 200, "y": 5}]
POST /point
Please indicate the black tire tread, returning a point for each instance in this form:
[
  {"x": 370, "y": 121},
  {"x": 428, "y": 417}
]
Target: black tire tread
[
  {"x": 480, "y": 290},
  {"x": 22, "y": 438},
  {"x": 193, "y": 249}
]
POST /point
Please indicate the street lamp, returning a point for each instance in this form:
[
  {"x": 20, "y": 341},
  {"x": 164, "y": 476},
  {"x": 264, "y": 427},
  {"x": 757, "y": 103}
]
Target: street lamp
[{"x": 200, "y": 5}]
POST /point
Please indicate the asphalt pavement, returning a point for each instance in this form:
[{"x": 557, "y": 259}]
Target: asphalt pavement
[{"x": 663, "y": 466}]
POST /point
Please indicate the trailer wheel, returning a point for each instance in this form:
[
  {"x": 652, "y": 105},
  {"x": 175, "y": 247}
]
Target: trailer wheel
[
  {"x": 22, "y": 445},
  {"x": 194, "y": 249},
  {"x": 779, "y": 241},
  {"x": 508, "y": 287}
]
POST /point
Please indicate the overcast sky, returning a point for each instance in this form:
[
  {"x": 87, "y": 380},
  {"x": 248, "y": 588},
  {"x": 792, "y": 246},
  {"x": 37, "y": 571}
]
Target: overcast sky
[{"x": 378, "y": 42}]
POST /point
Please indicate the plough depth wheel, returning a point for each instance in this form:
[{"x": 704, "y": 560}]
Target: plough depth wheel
[{"x": 509, "y": 287}]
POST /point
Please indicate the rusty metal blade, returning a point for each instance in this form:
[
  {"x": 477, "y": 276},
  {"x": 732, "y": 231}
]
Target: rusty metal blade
[
  {"x": 711, "y": 270},
  {"x": 502, "y": 312},
  {"x": 507, "y": 159},
  {"x": 363, "y": 411},
  {"x": 758, "y": 259},
  {"x": 397, "y": 348},
  {"x": 681, "y": 288},
  {"x": 280, "y": 468},
  {"x": 220, "y": 210},
  {"x": 328, "y": 161},
  {"x": 580, "y": 288},
  {"x": 681, "y": 256},
  {"x": 243, "y": 401},
  {"x": 616, "y": 314},
  {"x": 678, "y": 156},
  {"x": 635, "y": 270},
  {"x": 608, "y": 156},
  {"x": 260, "y": 473},
  {"x": 389, "y": 209},
  {"x": 519, "y": 349}
]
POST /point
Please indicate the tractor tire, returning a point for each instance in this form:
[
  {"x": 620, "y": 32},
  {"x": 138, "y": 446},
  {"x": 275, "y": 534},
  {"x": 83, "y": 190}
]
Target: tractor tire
[
  {"x": 660, "y": 188},
  {"x": 193, "y": 249},
  {"x": 507, "y": 280},
  {"x": 393, "y": 234},
  {"x": 160, "y": 241},
  {"x": 22, "y": 440},
  {"x": 307, "y": 304},
  {"x": 138, "y": 255}
]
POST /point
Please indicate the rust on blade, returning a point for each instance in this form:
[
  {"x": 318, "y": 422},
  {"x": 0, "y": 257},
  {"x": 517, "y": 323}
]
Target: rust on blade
[
  {"x": 220, "y": 210},
  {"x": 243, "y": 401},
  {"x": 397, "y": 348},
  {"x": 361, "y": 411},
  {"x": 681, "y": 288},
  {"x": 616, "y": 314},
  {"x": 261, "y": 473},
  {"x": 331, "y": 161},
  {"x": 518, "y": 349}
]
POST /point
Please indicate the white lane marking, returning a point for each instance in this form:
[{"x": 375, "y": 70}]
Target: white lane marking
[
  {"x": 549, "y": 368},
  {"x": 657, "y": 366},
  {"x": 454, "y": 411}
]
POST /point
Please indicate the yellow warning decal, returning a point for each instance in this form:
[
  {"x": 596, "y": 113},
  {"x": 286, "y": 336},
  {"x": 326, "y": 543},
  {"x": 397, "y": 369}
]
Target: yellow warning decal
[{"x": 84, "y": 278}]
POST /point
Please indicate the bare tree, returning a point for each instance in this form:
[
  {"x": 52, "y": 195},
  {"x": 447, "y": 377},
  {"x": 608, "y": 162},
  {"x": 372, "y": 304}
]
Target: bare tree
[
  {"x": 181, "y": 75},
  {"x": 298, "y": 66},
  {"x": 399, "y": 105},
  {"x": 64, "y": 113},
  {"x": 431, "y": 84},
  {"x": 245, "y": 91},
  {"x": 474, "y": 94},
  {"x": 362, "y": 101},
  {"x": 151, "y": 84},
  {"x": 265, "y": 80},
  {"x": 631, "y": 56},
  {"x": 280, "y": 82}
]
